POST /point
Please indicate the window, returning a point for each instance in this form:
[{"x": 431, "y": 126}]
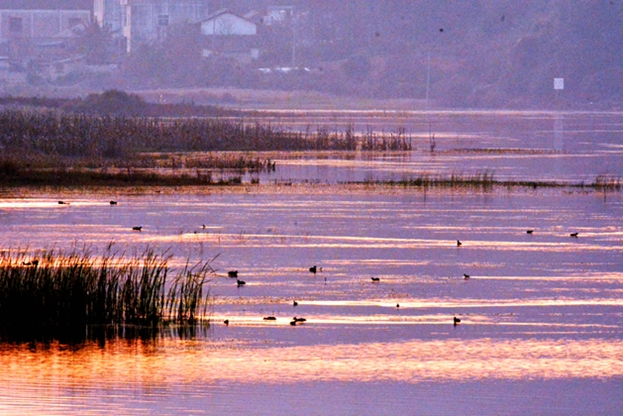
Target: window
[
  {"x": 163, "y": 20},
  {"x": 15, "y": 24},
  {"x": 74, "y": 21}
]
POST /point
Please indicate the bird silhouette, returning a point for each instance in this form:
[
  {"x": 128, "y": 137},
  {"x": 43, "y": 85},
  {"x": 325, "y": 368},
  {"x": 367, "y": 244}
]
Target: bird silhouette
[
  {"x": 456, "y": 320},
  {"x": 529, "y": 231},
  {"x": 295, "y": 303},
  {"x": 232, "y": 273},
  {"x": 241, "y": 282},
  {"x": 295, "y": 319},
  {"x": 466, "y": 276},
  {"x": 270, "y": 318},
  {"x": 226, "y": 321},
  {"x": 293, "y": 323},
  {"x": 137, "y": 228},
  {"x": 313, "y": 269},
  {"x": 113, "y": 202},
  {"x": 458, "y": 243},
  {"x": 574, "y": 235},
  {"x": 376, "y": 279}
]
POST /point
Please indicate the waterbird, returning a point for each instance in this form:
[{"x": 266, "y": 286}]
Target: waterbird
[
  {"x": 574, "y": 235},
  {"x": 241, "y": 282},
  {"x": 232, "y": 273},
  {"x": 398, "y": 305},
  {"x": 226, "y": 321},
  {"x": 529, "y": 231},
  {"x": 295, "y": 319},
  {"x": 295, "y": 303},
  {"x": 313, "y": 269},
  {"x": 270, "y": 318},
  {"x": 203, "y": 226},
  {"x": 113, "y": 202},
  {"x": 458, "y": 243},
  {"x": 293, "y": 323},
  {"x": 63, "y": 203},
  {"x": 466, "y": 276},
  {"x": 376, "y": 279},
  {"x": 456, "y": 320},
  {"x": 137, "y": 228}
]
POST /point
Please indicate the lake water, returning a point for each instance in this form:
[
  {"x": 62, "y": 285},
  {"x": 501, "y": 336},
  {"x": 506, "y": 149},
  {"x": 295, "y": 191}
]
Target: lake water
[{"x": 541, "y": 328}]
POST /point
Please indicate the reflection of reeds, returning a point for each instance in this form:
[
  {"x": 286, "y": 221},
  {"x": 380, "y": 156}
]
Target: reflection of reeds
[{"x": 53, "y": 289}]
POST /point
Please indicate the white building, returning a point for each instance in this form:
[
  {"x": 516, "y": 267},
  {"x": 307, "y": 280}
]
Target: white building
[
  {"x": 146, "y": 20},
  {"x": 230, "y": 35},
  {"x": 37, "y": 28}
]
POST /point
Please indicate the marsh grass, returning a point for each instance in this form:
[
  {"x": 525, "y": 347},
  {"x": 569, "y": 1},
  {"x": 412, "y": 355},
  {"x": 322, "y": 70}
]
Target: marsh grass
[
  {"x": 485, "y": 181},
  {"x": 52, "y": 289},
  {"x": 51, "y": 147}
]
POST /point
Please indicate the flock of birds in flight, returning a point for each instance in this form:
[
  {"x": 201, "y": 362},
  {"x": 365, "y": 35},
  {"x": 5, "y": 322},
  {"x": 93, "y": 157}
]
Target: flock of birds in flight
[{"x": 314, "y": 269}]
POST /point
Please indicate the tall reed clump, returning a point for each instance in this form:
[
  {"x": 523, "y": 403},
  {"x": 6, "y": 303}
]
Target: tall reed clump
[
  {"x": 608, "y": 183},
  {"x": 111, "y": 137},
  {"x": 54, "y": 289}
]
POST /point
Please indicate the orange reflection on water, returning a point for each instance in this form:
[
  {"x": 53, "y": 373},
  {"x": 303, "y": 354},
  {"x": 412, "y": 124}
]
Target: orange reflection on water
[{"x": 172, "y": 361}]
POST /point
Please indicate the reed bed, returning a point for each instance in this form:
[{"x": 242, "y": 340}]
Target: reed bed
[
  {"x": 74, "y": 135},
  {"x": 51, "y": 147},
  {"x": 485, "y": 181},
  {"x": 52, "y": 289}
]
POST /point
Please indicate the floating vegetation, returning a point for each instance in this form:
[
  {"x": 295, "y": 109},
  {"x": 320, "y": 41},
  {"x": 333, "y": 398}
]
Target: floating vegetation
[{"x": 70, "y": 291}]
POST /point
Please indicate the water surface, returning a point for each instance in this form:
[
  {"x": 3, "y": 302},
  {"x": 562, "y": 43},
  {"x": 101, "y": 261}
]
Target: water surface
[{"x": 541, "y": 314}]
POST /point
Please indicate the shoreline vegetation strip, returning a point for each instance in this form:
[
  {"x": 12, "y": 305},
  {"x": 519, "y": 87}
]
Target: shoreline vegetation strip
[{"x": 51, "y": 147}]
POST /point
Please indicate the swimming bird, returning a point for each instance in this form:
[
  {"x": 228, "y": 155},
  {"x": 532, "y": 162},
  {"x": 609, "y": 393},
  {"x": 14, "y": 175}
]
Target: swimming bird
[
  {"x": 466, "y": 276},
  {"x": 458, "y": 243},
  {"x": 137, "y": 228},
  {"x": 293, "y": 323},
  {"x": 203, "y": 226},
  {"x": 295, "y": 319},
  {"x": 113, "y": 202},
  {"x": 313, "y": 269},
  {"x": 232, "y": 273},
  {"x": 376, "y": 279},
  {"x": 226, "y": 321},
  {"x": 456, "y": 320},
  {"x": 574, "y": 235},
  {"x": 529, "y": 231},
  {"x": 63, "y": 203},
  {"x": 398, "y": 305},
  {"x": 295, "y": 303},
  {"x": 241, "y": 282},
  {"x": 270, "y": 318}
]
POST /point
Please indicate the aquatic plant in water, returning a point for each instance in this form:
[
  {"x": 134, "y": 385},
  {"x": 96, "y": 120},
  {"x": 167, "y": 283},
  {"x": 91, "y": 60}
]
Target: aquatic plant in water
[{"x": 56, "y": 289}]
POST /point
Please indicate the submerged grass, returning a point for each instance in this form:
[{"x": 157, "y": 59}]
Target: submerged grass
[{"x": 52, "y": 289}]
